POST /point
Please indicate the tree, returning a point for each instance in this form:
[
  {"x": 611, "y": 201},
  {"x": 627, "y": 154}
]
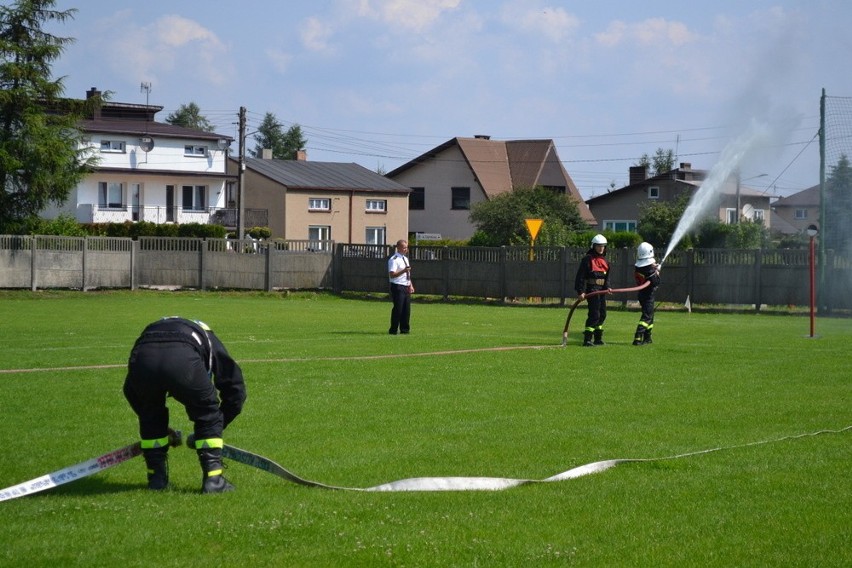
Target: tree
[
  {"x": 271, "y": 134},
  {"x": 189, "y": 116},
  {"x": 500, "y": 220},
  {"x": 42, "y": 155},
  {"x": 658, "y": 221},
  {"x": 663, "y": 161},
  {"x": 838, "y": 207}
]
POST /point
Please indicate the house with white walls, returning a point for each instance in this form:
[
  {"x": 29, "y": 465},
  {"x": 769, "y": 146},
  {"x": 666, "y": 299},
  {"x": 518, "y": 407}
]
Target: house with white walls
[{"x": 150, "y": 171}]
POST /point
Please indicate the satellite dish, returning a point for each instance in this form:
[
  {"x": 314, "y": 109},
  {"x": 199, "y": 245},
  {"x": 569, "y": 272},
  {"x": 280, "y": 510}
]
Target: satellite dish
[
  {"x": 146, "y": 143},
  {"x": 748, "y": 211}
]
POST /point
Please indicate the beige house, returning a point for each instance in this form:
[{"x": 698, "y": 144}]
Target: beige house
[
  {"x": 621, "y": 209},
  {"x": 325, "y": 201},
  {"x": 794, "y": 213},
  {"x": 448, "y": 180}
]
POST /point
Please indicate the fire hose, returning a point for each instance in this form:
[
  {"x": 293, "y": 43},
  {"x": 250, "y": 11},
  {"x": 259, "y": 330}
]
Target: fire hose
[
  {"x": 121, "y": 455},
  {"x": 597, "y": 293}
]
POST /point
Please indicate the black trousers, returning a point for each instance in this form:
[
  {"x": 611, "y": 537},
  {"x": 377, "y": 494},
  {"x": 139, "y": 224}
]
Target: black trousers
[
  {"x": 401, "y": 312},
  {"x": 646, "y": 301},
  {"x": 597, "y": 311},
  {"x": 157, "y": 370}
]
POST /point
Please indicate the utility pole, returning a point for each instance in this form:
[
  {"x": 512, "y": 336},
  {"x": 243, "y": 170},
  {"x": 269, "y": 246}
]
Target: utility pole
[{"x": 241, "y": 174}]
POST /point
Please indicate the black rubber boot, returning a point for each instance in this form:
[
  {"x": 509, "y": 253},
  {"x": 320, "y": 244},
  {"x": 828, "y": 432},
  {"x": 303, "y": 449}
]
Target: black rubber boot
[
  {"x": 639, "y": 336},
  {"x": 587, "y": 339},
  {"x": 599, "y": 337},
  {"x": 157, "y": 462},
  {"x": 211, "y": 466},
  {"x": 647, "y": 340}
]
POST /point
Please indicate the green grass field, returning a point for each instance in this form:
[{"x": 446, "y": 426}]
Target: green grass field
[{"x": 335, "y": 399}]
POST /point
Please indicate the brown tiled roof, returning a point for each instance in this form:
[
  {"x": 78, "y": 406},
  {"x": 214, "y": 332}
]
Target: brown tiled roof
[
  {"x": 805, "y": 198},
  {"x": 500, "y": 166},
  {"x": 140, "y": 127}
]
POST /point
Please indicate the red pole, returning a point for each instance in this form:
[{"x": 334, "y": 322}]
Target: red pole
[{"x": 813, "y": 287}]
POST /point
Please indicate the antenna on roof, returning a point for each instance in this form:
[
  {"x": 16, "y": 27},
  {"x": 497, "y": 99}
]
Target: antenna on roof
[{"x": 145, "y": 87}]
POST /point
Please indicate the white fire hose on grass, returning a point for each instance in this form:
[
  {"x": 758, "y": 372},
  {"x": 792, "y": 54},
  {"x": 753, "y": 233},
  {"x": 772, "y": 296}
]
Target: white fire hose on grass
[{"x": 121, "y": 455}]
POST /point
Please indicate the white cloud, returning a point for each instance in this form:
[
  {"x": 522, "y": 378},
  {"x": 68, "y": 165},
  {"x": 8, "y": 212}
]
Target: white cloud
[
  {"x": 414, "y": 15},
  {"x": 167, "y": 44},
  {"x": 653, "y": 31},
  {"x": 555, "y": 24},
  {"x": 279, "y": 59},
  {"x": 315, "y": 35}
]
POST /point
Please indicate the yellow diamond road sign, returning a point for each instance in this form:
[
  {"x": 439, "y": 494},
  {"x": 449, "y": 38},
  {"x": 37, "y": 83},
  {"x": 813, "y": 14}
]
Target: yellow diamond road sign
[{"x": 533, "y": 226}]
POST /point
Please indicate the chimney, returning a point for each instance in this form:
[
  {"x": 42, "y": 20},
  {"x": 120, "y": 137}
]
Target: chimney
[
  {"x": 686, "y": 166},
  {"x": 301, "y": 155},
  {"x": 266, "y": 153},
  {"x": 96, "y": 111},
  {"x": 482, "y": 136},
  {"x": 638, "y": 174}
]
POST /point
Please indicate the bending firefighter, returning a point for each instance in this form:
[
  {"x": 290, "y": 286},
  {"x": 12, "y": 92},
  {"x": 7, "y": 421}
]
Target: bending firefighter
[
  {"x": 593, "y": 276},
  {"x": 646, "y": 269},
  {"x": 185, "y": 360}
]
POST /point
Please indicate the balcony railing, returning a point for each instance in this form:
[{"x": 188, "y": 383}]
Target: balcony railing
[{"x": 227, "y": 217}]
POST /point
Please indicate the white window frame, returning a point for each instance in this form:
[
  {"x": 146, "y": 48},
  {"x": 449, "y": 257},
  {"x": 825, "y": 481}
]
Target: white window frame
[
  {"x": 377, "y": 206},
  {"x": 375, "y": 236},
  {"x": 800, "y": 214},
  {"x": 731, "y": 216},
  {"x": 760, "y": 215},
  {"x": 197, "y": 200},
  {"x": 653, "y": 192},
  {"x": 195, "y": 151},
  {"x": 612, "y": 225},
  {"x": 319, "y": 204},
  {"x": 113, "y": 146},
  {"x": 108, "y": 191},
  {"x": 322, "y": 234}
]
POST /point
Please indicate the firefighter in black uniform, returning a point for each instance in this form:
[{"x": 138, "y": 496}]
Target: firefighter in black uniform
[
  {"x": 185, "y": 360},
  {"x": 646, "y": 269},
  {"x": 593, "y": 276}
]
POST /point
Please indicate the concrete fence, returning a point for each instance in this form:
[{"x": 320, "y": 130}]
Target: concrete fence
[{"x": 743, "y": 277}]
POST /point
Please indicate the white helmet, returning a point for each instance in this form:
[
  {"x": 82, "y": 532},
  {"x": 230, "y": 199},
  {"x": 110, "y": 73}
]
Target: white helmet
[
  {"x": 644, "y": 255},
  {"x": 598, "y": 240}
]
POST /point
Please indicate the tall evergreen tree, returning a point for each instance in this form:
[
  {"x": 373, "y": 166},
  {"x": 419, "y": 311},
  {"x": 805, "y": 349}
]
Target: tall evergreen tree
[
  {"x": 271, "y": 135},
  {"x": 838, "y": 207},
  {"x": 41, "y": 155},
  {"x": 189, "y": 116}
]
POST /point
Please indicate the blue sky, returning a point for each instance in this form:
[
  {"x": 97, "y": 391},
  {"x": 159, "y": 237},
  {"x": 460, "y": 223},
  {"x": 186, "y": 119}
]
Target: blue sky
[{"x": 379, "y": 82}]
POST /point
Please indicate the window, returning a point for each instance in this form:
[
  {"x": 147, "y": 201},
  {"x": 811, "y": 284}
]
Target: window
[
  {"x": 115, "y": 146},
  {"x": 319, "y": 204},
  {"x": 377, "y": 206},
  {"x": 731, "y": 216},
  {"x": 417, "y": 199},
  {"x": 801, "y": 214},
  {"x": 320, "y": 233},
  {"x": 375, "y": 236},
  {"x": 653, "y": 192},
  {"x": 461, "y": 198},
  {"x": 759, "y": 215},
  {"x": 197, "y": 151},
  {"x": 619, "y": 226},
  {"x": 194, "y": 197},
  {"x": 111, "y": 195}
]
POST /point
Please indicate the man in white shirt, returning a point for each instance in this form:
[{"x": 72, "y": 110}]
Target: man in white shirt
[{"x": 399, "y": 274}]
